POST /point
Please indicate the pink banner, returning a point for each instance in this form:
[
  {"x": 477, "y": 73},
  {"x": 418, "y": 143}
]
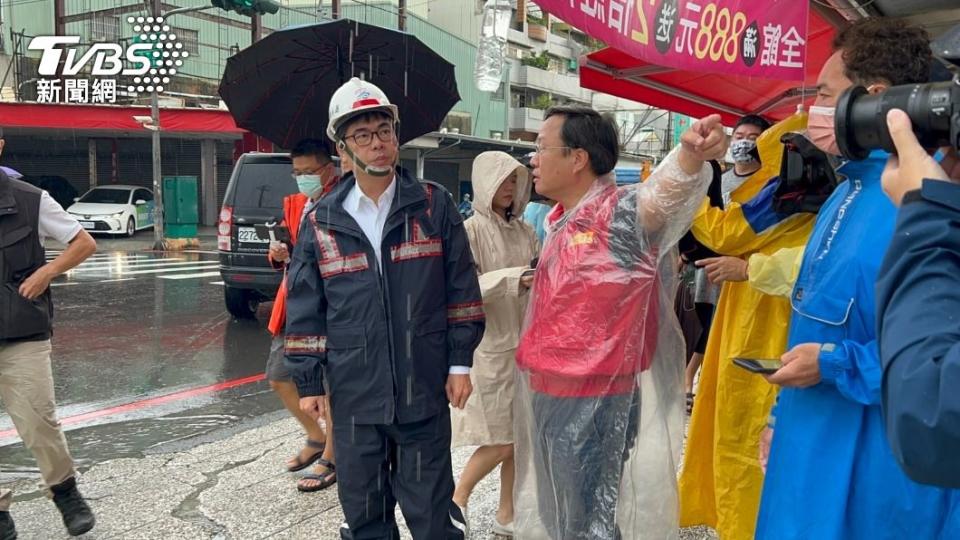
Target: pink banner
[{"x": 756, "y": 38}]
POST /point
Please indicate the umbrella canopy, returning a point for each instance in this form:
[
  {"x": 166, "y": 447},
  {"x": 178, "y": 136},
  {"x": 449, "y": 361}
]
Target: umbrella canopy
[
  {"x": 699, "y": 94},
  {"x": 280, "y": 87},
  {"x": 12, "y": 173}
]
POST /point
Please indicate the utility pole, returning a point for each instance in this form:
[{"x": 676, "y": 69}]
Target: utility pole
[
  {"x": 158, "y": 229},
  {"x": 60, "y": 29},
  {"x": 157, "y": 10},
  {"x": 59, "y": 11},
  {"x": 256, "y": 29},
  {"x": 402, "y": 15},
  {"x": 336, "y": 9}
]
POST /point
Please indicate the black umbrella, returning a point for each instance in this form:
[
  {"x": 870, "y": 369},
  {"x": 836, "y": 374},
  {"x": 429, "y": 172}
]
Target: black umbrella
[{"x": 280, "y": 87}]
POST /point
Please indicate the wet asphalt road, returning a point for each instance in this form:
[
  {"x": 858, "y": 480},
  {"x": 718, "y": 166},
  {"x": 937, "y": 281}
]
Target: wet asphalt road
[{"x": 145, "y": 356}]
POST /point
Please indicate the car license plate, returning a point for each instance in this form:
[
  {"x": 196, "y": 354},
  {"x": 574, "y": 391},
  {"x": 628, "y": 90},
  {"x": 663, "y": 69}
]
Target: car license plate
[
  {"x": 248, "y": 235},
  {"x": 88, "y": 225}
]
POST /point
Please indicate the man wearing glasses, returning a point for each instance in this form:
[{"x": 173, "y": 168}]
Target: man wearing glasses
[
  {"x": 316, "y": 175},
  {"x": 383, "y": 315},
  {"x": 598, "y": 410}
]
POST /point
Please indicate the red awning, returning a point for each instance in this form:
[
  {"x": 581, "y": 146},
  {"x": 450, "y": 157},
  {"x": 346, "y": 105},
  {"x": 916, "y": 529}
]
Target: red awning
[
  {"x": 113, "y": 118},
  {"x": 700, "y": 94}
]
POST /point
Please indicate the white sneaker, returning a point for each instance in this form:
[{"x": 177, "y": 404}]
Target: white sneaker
[{"x": 502, "y": 530}]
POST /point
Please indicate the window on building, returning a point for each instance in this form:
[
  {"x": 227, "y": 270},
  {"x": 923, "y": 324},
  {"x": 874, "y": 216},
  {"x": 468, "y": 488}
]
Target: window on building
[
  {"x": 457, "y": 122},
  {"x": 104, "y": 27},
  {"x": 515, "y": 52},
  {"x": 518, "y": 100},
  {"x": 189, "y": 38}
]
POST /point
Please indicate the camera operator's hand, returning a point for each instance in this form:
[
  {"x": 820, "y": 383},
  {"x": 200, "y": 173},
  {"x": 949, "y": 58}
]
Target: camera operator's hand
[
  {"x": 703, "y": 141},
  {"x": 906, "y": 171}
]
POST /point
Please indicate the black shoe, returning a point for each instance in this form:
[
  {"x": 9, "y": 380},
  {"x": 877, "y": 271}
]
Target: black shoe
[
  {"x": 8, "y": 531},
  {"x": 77, "y": 516}
]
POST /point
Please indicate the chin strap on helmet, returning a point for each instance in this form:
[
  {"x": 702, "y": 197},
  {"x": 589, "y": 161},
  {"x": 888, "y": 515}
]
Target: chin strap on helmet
[{"x": 359, "y": 164}]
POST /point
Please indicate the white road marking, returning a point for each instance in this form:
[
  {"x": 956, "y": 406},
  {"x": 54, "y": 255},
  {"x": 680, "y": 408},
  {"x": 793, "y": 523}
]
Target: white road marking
[{"x": 191, "y": 276}]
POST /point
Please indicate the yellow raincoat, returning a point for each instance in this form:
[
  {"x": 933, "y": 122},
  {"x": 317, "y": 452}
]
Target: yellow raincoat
[
  {"x": 502, "y": 250},
  {"x": 721, "y": 479}
]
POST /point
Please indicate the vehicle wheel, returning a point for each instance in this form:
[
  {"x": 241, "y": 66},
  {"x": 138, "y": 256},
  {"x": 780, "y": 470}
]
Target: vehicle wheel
[
  {"x": 241, "y": 303},
  {"x": 131, "y": 227}
]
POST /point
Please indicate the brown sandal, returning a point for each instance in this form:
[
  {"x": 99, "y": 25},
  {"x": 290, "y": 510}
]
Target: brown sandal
[
  {"x": 301, "y": 464},
  {"x": 326, "y": 479}
]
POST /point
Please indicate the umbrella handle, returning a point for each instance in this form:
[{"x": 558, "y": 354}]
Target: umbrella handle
[{"x": 270, "y": 226}]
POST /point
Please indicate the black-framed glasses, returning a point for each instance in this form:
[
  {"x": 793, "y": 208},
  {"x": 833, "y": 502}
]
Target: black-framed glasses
[{"x": 364, "y": 138}]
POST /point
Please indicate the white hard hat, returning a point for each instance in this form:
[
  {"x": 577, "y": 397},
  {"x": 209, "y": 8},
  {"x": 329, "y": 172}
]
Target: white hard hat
[{"x": 357, "y": 97}]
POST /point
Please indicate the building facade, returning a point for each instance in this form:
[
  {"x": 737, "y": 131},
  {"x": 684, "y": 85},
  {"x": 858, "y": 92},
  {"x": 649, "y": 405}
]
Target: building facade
[
  {"x": 92, "y": 154},
  {"x": 543, "y": 54}
]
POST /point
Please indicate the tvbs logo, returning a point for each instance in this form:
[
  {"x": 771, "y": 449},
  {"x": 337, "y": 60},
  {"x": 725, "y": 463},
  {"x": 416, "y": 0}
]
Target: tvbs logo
[
  {"x": 105, "y": 59},
  {"x": 154, "y": 49}
]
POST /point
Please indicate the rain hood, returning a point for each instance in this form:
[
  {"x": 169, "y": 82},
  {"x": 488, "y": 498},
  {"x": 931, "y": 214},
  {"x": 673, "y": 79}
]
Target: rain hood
[{"x": 490, "y": 170}]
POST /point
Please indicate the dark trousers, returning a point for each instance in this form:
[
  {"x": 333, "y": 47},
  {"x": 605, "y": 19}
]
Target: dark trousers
[
  {"x": 580, "y": 445},
  {"x": 379, "y": 466},
  {"x": 705, "y": 316}
]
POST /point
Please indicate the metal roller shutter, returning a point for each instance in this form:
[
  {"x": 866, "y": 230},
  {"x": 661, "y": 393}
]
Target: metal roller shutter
[
  {"x": 179, "y": 157},
  {"x": 49, "y": 156}
]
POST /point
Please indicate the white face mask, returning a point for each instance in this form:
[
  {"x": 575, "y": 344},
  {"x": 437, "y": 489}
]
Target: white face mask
[{"x": 741, "y": 151}]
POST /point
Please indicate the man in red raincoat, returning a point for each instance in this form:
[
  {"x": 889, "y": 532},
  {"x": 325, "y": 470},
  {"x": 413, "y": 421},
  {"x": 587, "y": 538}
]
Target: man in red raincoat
[{"x": 316, "y": 175}]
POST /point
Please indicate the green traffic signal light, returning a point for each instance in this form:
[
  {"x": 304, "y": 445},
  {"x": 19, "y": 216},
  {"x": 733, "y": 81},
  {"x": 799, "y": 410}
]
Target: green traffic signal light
[{"x": 247, "y": 7}]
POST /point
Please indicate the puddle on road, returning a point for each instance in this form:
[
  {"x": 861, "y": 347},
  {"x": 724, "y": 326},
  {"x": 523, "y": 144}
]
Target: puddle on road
[{"x": 134, "y": 438}]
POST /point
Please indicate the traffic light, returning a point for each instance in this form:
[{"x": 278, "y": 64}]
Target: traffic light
[{"x": 247, "y": 7}]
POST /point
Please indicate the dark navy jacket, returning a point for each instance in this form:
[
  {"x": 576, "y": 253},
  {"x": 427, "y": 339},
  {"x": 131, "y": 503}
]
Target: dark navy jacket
[
  {"x": 382, "y": 343},
  {"x": 918, "y": 294}
]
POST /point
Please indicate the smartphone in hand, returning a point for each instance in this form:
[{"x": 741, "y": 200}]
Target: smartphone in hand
[{"x": 761, "y": 366}]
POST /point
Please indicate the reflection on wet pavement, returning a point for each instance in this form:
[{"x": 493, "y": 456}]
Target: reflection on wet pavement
[{"x": 144, "y": 354}]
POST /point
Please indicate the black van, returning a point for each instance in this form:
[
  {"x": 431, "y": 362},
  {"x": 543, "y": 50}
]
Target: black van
[{"x": 254, "y": 196}]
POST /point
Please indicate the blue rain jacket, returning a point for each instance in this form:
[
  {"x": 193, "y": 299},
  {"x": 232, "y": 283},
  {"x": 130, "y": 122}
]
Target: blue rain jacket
[
  {"x": 919, "y": 329},
  {"x": 831, "y": 473}
]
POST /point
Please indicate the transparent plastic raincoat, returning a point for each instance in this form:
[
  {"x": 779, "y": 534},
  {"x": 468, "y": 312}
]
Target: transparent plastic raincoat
[{"x": 599, "y": 401}]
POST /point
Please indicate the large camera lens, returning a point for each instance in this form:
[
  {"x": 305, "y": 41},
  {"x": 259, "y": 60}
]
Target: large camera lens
[{"x": 861, "y": 119}]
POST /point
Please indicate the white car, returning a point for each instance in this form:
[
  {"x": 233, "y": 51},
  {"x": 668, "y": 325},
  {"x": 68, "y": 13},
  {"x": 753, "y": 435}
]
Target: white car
[{"x": 114, "y": 209}]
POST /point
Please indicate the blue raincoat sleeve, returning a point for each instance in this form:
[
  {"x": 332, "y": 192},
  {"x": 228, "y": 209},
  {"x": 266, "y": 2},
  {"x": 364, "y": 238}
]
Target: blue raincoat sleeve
[
  {"x": 919, "y": 329},
  {"x": 853, "y": 368},
  {"x": 305, "y": 339}
]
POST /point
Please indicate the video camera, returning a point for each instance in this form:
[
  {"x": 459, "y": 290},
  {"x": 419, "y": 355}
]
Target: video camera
[
  {"x": 933, "y": 108},
  {"x": 807, "y": 177}
]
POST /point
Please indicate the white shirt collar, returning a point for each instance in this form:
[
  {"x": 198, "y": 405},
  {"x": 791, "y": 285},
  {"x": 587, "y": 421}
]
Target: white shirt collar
[{"x": 356, "y": 195}]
